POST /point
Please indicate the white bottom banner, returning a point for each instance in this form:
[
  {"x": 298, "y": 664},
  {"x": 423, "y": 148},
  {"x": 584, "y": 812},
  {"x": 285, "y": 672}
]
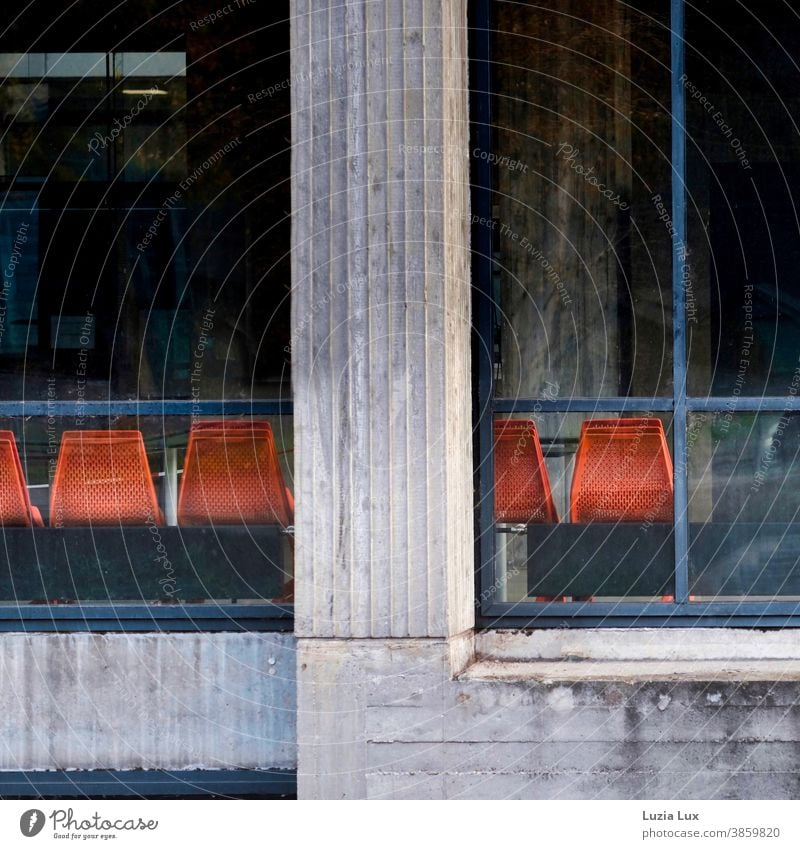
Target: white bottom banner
[{"x": 393, "y": 824}]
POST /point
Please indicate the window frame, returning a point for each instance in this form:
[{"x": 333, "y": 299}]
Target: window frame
[
  {"x": 144, "y": 617},
  {"x": 578, "y": 614}
]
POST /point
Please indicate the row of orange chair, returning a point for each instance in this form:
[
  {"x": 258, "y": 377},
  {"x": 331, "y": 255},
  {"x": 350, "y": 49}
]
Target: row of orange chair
[
  {"x": 231, "y": 475},
  {"x": 623, "y": 473}
]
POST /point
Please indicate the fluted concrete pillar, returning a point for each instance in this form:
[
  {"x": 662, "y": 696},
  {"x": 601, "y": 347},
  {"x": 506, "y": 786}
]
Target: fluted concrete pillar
[
  {"x": 380, "y": 319},
  {"x": 381, "y": 339}
]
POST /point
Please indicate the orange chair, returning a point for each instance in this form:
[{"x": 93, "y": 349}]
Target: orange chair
[
  {"x": 235, "y": 425},
  {"x": 232, "y": 475},
  {"x": 15, "y": 504},
  {"x": 243, "y": 425},
  {"x": 103, "y": 478},
  {"x": 521, "y": 486},
  {"x": 623, "y": 472},
  {"x": 622, "y": 425}
]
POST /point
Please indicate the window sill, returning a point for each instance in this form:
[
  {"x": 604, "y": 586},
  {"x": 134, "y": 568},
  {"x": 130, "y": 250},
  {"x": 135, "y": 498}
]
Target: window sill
[
  {"x": 635, "y": 656},
  {"x": 632, "y": 671}
]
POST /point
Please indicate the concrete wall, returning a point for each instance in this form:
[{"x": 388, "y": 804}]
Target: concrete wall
[
  {"x": 408, "y": 728},
  {"x": 381, "y": 319},
  {"x": 397, "y": 697},
  {"x": 147, "y": 701}
]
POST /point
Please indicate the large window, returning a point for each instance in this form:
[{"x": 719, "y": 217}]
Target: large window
[
  {"x": 636, "y": 231},
  {"x": 146, "y": 444}
]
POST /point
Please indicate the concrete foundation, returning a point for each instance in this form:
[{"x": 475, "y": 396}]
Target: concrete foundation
[
  {"x": 147, "y": 701},
  {"x": 384, "y": 719}
]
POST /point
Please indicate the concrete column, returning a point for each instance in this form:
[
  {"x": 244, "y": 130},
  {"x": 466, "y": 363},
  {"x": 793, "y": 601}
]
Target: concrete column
[
  {"x": 380, "y": 353},
  {"x": 380, "y": 318}
]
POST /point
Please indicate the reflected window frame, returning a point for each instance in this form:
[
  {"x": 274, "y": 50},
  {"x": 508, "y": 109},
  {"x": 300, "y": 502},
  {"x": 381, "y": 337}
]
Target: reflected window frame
[
  {"x": 681, "y": 609},
  {"x": 124, "y": 616}
]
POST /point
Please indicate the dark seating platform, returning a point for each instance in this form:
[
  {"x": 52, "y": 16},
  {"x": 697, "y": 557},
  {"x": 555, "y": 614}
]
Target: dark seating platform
[
  {"x": 633, "y": 559},
  {"x": 50, "y": 565}
]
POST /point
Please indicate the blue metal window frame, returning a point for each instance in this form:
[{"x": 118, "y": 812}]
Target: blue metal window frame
[
  {"x": 681, "y": 612},
  {"x": 144, "y": 617},
  {"x": 146, "y": 784}
]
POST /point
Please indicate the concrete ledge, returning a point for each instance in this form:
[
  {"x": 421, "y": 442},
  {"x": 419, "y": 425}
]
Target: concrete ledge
[
  {"x": 635, "y": 655},
  {"x": 639, "y": 644},
  {"x": 147, "y": 702},
  {"x": 632, "y": 671}
]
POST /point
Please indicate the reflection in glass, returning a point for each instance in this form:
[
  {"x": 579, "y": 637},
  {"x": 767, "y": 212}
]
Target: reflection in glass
[
  {"x": 583, "y": 507},
  {"x": 581, "y": 222},
  {"x": 145, "y": 194},
  {"x": 743, "y": 175},
  {"x": 107, "y": 495},
  {"x": 744, "y": 479},
  {"x": 144, "y": 235}
]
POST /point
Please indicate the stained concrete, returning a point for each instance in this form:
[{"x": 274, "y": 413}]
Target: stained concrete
[
  {"x": 390, "y": 702},
  {"x": 391, "y": 719},
  {"x": 147, "y": 701}
]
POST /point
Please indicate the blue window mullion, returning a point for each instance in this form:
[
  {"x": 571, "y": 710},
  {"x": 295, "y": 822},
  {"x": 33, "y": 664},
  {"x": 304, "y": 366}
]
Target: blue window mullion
[
  {"x": 679, "y": 262},
  {"x": 152, "y": 407},
  {"x": 577, "y": 404},
  {"x": 481, "y": 207}
]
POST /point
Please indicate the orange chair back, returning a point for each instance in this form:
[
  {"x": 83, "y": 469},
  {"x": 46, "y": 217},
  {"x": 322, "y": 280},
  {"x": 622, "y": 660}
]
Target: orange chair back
[
  {"x": 103, "y": 478},
  {"x": 229, "y": 426},
  {"x": 521, "y": 486},
  {"x": 232, "y": 475},
  {"x": 15, "y": 504},
  {"x": 623, "y": 472}
]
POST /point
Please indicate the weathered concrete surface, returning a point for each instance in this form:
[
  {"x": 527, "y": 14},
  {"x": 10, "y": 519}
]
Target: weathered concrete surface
[
  {"x": 388, "y": 719},
  {"x": 381, "y": 319},
  {"x": 388, "y": 702},
  {"x": 147, "y": 701},
  {"x": 635, "y": 671},
  {"x": 638, "y": 644}
]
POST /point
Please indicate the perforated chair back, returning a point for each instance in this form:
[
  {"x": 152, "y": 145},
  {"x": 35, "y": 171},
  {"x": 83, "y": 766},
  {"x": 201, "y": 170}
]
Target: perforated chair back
[
  {"x": 623, "y": 472},
  {"x": 232, "y": 426},
  {"x": 622, "y": 425},
  {"x": 522, "y": 492},
  {"x": 15, "y": 504},
  {"x": 233, "y": 476},
  {"x": 103, "y": 478}
]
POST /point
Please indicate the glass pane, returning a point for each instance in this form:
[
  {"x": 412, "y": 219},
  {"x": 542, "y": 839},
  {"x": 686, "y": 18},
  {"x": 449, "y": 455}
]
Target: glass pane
[
  {"x": 744, "y": 480},
  {"x": 149, "y": 104},
  {"x": 581, "y": 218},
  {"x": 145, "y": 165},
  {"x": 54, "y": 103},
  {"x": 127, "y": 509},
  {"x": 583, "y": 507},
  {"x": 743, "y": 178}
]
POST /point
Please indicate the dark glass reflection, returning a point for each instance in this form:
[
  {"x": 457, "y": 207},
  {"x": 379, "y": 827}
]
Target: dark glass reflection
[
  {"x": 744, "y": 479},
  {"x": 144, "y": 226},
  {"x": 581, "y": 223},
  {"x": 743, "y": 174}
]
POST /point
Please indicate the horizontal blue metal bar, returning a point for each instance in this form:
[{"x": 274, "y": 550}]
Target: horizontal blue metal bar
[
  {"x": 145, "y": 408},
  {"x": 742, "y": 404},
  {"x": 135, "y": 611},
  {"x": 96, "y": 209},
  {"x": 147, "y": 783},
  {"x": 531, "y": 609},
  {"x": 581, "y": 405},
  {"x": 145, "y": 618}
]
